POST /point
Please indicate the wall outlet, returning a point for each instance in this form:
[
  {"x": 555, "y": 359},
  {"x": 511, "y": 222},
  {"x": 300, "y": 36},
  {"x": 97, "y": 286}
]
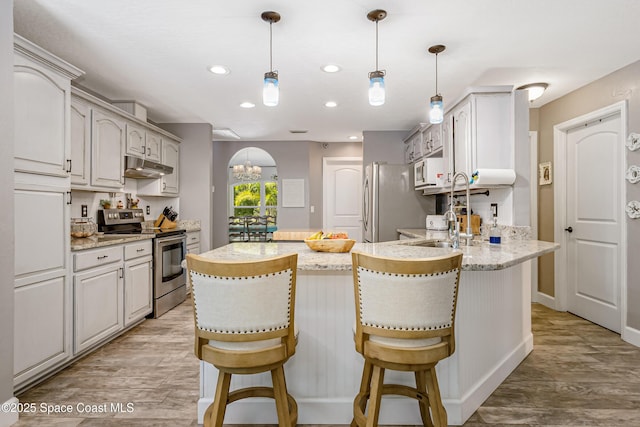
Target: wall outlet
[
  {"x": 148, "y": 210},
  {"x": 494, "y": 209},
  {"x": 84, "y": 211}
]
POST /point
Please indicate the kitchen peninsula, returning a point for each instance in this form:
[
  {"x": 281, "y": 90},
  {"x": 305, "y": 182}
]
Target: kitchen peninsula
[{"x": 493, "y": 331}]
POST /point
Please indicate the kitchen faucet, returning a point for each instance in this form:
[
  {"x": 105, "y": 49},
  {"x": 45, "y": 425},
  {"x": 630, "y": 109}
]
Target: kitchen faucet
[{"x": 450, "y": 215}]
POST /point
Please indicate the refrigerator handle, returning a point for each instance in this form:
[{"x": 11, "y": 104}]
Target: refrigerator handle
[{"x": 365, "y": 203}]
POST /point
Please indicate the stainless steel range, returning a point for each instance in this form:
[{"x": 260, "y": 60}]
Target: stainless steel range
[{"x": 169, "y": 249}]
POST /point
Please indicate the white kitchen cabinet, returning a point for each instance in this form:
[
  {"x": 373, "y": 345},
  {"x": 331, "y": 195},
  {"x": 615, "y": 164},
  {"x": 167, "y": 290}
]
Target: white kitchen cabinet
[
  {"x": 80, "y": 136},
  {"x": 168, "y": 185},
  {"x": 98, "y": 297},
  {"x": 413, "y": 145},
  {"x": 42, "y": 84},
  {"x": 143, "y": 143},
  {"x": 193, "y": 242},
  {"x": 138, "y": 281},
  {"x": 41, "y": 328},
  {"x": 107, "y": 150}
]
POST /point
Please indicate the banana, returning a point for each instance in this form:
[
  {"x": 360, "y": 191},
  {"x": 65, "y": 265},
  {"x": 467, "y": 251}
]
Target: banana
[{"x": 315, "y": 236}]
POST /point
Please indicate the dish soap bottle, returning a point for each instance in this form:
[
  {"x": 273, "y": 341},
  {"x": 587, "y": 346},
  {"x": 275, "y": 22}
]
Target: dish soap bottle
[{"x": 494, "y": 233}]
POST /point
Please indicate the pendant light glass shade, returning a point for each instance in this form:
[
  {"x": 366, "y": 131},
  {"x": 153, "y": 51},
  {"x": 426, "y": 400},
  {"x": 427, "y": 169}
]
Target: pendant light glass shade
[
  {"x": 376, "y": 78},
  {"x": 270, "y": 90},
  {"x": 271, "y": 86},
  {"x": 376, "y": 88},
  {"x": 436, "y": 109},
  {"x": 436, "y": 113}
]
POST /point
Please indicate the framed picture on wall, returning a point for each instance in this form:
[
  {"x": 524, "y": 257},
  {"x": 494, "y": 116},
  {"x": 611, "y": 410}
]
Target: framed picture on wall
[{"x": 544, "y": 173}]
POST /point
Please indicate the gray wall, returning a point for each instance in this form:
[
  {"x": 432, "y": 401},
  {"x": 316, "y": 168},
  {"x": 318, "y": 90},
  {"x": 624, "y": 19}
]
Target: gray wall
[
  {"x": 6, "y": 195},
  {"x": 196, "y": 175},
  {"x": 618, "y": 86},
  {"x": 383, "y": 146}
]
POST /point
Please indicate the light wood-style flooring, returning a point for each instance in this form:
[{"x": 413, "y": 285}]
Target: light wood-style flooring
[{"x": 578, "y": 374}]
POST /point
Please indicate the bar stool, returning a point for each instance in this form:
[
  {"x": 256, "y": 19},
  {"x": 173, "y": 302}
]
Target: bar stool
[
  {"x": 244, "y": 324},
  {"x": 405, "y": 313}
]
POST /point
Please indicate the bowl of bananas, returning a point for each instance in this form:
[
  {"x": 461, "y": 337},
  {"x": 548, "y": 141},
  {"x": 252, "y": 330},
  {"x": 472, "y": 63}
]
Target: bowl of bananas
[{"x": 330, "y": 242}]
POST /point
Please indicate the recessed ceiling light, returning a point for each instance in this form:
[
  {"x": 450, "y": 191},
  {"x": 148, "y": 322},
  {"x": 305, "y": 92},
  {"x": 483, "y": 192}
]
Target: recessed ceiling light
[
  {"x": 330, "y": 68},
  {"x": 353, "y": 137},
  {"x": 247, "y": 104},
  {"x": 330, "y": 104},
  {"x": 219, "y": 69},
  {"x": 298, "y": 131}
]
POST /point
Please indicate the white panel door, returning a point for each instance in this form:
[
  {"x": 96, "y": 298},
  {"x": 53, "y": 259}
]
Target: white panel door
[
  {"x": 593, "y": 210},
  {"x": 40, "y": 327},
  {"x": 107, "y": 155},
  {"x": 41, "y": 103},
  {"x": 342, "y": 196},
  {"x": 138, "y": 291}
]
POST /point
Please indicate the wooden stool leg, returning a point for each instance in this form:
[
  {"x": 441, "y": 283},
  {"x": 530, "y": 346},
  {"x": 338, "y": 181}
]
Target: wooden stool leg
[
  {"x": 421, "y": 385},
  {"x": 214, "y": 415},
  {"x": 377, "y": 383},
  {"x": 280, "y": 395},
  {"x": 365, "y": 384},
  {"x": 438, "y": 413}
]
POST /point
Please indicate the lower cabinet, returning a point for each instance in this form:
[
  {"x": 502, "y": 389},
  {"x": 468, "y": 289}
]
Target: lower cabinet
[
  {"x": 193, "y": 242},
  {"x": 41, "y": 337},
  {"x": 98, "y": 305},
  {"x": 112, "y": 289},
  {"x": 138, "y": 281}
]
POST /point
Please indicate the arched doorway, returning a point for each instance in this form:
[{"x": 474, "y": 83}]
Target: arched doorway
[{"x": 252, "y": 181}]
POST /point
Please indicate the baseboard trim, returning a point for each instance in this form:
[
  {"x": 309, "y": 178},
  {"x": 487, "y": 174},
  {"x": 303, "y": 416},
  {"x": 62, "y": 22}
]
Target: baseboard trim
[
  {"x": 546, "y": 300},
  {"x": 9, "y": 418},
  {"x": 395, "y": 411},
  {"x": 631, "y": 335}
]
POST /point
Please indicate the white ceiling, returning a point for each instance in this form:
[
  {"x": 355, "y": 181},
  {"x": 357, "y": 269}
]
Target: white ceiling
[{"x": 157, "y": 52}]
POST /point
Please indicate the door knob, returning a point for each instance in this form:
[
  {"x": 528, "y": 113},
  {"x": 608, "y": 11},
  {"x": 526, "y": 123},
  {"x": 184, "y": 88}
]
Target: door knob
[{"x": 569, "y": 229}]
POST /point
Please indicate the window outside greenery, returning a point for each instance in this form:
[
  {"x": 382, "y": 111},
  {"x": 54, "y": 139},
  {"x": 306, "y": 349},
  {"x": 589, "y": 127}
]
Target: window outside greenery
[{"x": 255, "y": 198}]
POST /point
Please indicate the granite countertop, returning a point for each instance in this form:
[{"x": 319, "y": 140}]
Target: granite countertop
[
  {"x": 479, "y": 257},
  {"x": 98, "y": 241}
]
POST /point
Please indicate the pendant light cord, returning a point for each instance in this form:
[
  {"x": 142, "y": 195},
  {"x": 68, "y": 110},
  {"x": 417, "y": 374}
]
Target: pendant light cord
[
  {"x": 271, "y": 47},
  {"x": 376, "y": 45},
  {"x": 436, "y": 74}
]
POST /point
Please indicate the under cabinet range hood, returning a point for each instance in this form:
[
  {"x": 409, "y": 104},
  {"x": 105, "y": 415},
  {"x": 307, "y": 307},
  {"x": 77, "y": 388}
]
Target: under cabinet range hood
[{"x": 136, "y": 167}]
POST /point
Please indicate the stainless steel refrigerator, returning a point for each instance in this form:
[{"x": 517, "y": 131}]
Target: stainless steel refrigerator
[{"x": 390, "y": 202}]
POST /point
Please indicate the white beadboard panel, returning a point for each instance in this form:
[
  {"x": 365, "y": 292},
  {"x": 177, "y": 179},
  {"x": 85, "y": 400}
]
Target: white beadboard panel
[{"x": 493, "y": 335}]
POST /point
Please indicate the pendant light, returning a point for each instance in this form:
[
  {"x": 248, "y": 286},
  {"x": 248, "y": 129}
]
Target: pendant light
[
  {"x": 270, "y": 90},
  {"x": 376, "y": 78},
  {"x": 436, "y": 113}
]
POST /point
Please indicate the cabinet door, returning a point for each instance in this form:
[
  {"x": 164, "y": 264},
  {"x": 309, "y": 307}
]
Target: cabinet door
[
  {"x": 98, "y": 305},
  {"x": 138, "y": 291},
  {"x": 462, "y": 138},
  {"x": 435, "y": 143},
  {"x": 107, "y": 144},
  {"x": 153, "y": 144},
  {"x": 136, "y": 140},
  {"x": 41, "y": 232},
  {"x": 41, "y": 106},
  {"x": 447, "y": 141},
  {"x": 41, "y": 321},
  {"x": 80, "y": 135},
  {"x": 171, "y": 157}
]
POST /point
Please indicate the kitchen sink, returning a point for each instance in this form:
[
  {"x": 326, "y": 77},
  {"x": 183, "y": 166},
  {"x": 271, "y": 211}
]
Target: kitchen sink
[{"x": 434, "y": 244}]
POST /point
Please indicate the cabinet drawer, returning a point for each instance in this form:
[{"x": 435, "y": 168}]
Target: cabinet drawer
[
  {"x": 193, "y": 237},
  {"x": 97, "y": 257},
  {"x": 138, "y": 249}
]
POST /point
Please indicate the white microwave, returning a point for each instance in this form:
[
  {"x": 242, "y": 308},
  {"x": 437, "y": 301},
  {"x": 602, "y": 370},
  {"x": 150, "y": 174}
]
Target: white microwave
[{"x": 426, "y": 171}]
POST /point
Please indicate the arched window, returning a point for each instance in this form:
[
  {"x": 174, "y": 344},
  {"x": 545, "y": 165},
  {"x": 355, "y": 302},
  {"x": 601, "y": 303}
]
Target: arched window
[{"x": 252, "y": 192}]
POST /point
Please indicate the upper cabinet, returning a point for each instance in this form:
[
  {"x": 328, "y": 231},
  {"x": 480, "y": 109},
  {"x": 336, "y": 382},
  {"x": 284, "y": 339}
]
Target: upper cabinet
[
  {"x": 107, "y": 147},
  {"x": 102, "y": 135},
  {"x": 42, "y": 84},
  {"x": 143, "y": 143},
  {"x": 480, "y": 131},
  {"x": 168, "y": 185}
]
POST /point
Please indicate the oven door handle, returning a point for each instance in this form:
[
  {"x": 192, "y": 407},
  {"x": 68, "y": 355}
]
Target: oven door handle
[{"x": 172, "y": 239}]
